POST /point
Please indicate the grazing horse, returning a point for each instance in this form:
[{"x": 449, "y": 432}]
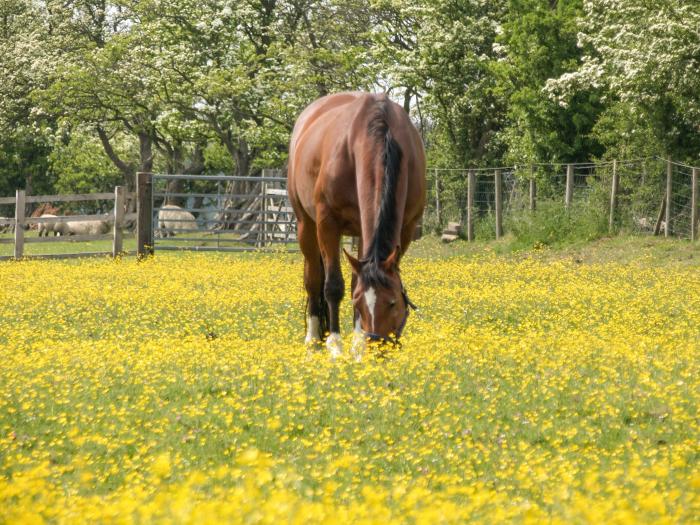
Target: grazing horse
[{"x": 356, "y": 167}]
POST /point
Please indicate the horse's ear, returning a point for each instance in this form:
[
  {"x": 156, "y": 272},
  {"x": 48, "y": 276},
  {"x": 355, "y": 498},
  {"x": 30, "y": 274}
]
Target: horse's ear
[
  {"x": 392, "y": 262},
  {"x": 354, "y": 263}
]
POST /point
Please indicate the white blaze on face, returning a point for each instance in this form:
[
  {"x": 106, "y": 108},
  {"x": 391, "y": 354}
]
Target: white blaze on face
[
  {"x": 312, "y": 324},
  {"x": 371, "y": 300}
]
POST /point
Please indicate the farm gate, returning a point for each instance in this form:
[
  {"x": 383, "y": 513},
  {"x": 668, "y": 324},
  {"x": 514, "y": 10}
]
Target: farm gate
[{"x": 214, "y": 212}]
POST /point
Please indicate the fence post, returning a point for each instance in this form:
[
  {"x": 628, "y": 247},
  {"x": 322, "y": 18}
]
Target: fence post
[
  {"x": 694, "y": 206},
  {"x": 437, "y": 199},
  {"x": 117, "y": 241},
  {"x": 20, "y": 203},
  {"x": 669, "y": 187},
  {"x": 533, "y": 189},
  {"x": 264, "y": 214},
  {"x": 144, "y": 214},
  {"x": 569, "y": 185},
  {"x": 613, "y": 195},
  {"x": 471, "y": 188},
  {"x": 498, "y": 188}
]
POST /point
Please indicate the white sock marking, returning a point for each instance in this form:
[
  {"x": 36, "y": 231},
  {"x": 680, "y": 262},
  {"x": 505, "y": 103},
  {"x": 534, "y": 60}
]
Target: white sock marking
[
  {"x": 371, "y": 300},
  {"x": 334, "y": 343},
  {"x": 312, "y": 334},
  {"x": 358, "y": 341},
  {"x": 358, "y": 326}
]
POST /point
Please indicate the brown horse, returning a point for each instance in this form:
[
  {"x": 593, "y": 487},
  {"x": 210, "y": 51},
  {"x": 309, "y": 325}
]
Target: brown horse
[{"x": 356, "y": 167}]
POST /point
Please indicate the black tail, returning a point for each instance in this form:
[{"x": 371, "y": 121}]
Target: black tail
[{"x": 382, "y": 243}]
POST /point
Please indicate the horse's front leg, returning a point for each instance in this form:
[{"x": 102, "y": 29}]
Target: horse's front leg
[
  {"x": 333, "y": 286},
  {"x": 359, "y": 341}
]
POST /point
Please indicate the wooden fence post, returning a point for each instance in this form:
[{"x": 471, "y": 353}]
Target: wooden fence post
[
  {"x": 669, "y": 188},
  {"x": 117, "y": 241},
  {"x": 144, "y": 214},
  {"x": 471, "y": 188},
  {"x": 263, "y": 208},
  {"x": 437, "y": 199},
  {"x": 498, "y": 189},
  {"x": 694, "y": 205},
  {"x": 533, "y": 190},
  {"x": 613, "y": 195},
  {"x": 19, "y": 223},
  {"x": 569, "y": 185}
]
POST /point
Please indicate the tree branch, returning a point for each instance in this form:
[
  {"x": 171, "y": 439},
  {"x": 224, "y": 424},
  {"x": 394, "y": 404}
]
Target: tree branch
[{"x": 109, "y": 150}]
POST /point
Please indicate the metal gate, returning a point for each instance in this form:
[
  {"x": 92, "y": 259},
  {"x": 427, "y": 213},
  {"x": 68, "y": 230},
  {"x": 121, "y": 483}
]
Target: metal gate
[{"x": 222, "y": 213}]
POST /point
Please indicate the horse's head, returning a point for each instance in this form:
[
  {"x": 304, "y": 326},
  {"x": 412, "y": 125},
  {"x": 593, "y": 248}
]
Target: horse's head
[{"x": 380, "y": 298}]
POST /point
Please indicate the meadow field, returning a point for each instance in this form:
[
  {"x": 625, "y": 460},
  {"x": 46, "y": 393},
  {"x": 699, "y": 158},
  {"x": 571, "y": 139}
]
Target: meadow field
[{"x": 538, "y": 386}]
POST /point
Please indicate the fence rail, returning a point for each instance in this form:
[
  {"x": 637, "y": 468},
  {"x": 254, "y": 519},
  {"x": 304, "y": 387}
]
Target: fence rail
[
  {"x": 651, "y": 196},
  {"x": 20, "y": 224}
]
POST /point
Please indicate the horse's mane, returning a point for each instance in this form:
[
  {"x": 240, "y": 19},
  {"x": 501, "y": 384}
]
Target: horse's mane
[{"x": 382, "y": 243}]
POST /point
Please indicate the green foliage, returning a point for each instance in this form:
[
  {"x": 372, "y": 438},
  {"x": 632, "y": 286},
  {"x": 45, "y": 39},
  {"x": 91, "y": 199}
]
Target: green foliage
[
  {"x": 553, "y": 225},
  {"x": 182, "y": 85},
  {"x": 538, "y": 42},
  {"x": 81, "y": 166}
]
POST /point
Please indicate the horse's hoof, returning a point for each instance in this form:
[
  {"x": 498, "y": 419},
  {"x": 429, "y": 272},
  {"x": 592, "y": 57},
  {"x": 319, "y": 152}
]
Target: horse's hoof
[
  {"x": 313, "y": 346},
  {"x": 334, "y": 344},
  {"x": 359, "y": 344}
]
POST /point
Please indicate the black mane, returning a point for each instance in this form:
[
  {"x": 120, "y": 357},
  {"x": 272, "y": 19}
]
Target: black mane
[{"x": 383, "y": 243}]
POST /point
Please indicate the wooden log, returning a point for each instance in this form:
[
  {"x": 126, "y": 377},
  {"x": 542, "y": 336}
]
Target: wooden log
[
  {"x": 19, "y": 223},
  {"x": 144, "y": 212},
  {"x": 449, "y": 237},
  {"x": 118, "y": 236},
  {"x": 471, "y": 188},
  {"x": 613, "y": 196},
  {"x": 568, "y": 197},
  {"x": 694, "y": 205},
  {"x": 669, "y": 195},
  {"x": 498, "y": 189}
]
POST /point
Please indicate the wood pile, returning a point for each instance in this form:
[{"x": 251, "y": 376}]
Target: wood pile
[{"x": 451, "y": 233}]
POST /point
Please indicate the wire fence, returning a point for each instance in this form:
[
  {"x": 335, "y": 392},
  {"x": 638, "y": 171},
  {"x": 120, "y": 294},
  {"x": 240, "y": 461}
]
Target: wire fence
[{"x": 641, "y": 196}]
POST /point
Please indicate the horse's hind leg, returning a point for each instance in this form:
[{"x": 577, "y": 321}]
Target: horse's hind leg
[
  {"x": 313, "y": 282},
  {"x": 329, "y": 235}
]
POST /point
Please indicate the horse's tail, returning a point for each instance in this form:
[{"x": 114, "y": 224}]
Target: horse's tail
[{"x": 391, "y": 154}]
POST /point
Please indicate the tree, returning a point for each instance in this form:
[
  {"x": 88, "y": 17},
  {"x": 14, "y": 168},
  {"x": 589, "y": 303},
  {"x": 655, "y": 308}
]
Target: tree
[
  {"x": 538, "y": 42},
  {"x": 646, "y": 55}
]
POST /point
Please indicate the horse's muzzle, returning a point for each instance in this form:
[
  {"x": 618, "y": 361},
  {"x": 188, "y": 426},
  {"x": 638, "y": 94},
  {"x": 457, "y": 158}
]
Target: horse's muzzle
[{"x": 383, "y": 339}]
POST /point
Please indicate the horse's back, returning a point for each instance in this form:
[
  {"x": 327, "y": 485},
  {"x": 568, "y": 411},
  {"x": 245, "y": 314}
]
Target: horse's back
[{"x": 332, "y": 134}]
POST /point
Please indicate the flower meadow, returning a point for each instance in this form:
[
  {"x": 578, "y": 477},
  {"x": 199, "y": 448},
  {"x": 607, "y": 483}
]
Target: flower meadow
[{"x": 178, "y": 389}]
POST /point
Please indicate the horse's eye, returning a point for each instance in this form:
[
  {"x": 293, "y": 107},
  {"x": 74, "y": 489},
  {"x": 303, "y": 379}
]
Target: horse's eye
[{"x": 392, "y": 303}]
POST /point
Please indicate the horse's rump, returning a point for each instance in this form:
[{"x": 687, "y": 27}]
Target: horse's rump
[{"x": 336, "y": 154}]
